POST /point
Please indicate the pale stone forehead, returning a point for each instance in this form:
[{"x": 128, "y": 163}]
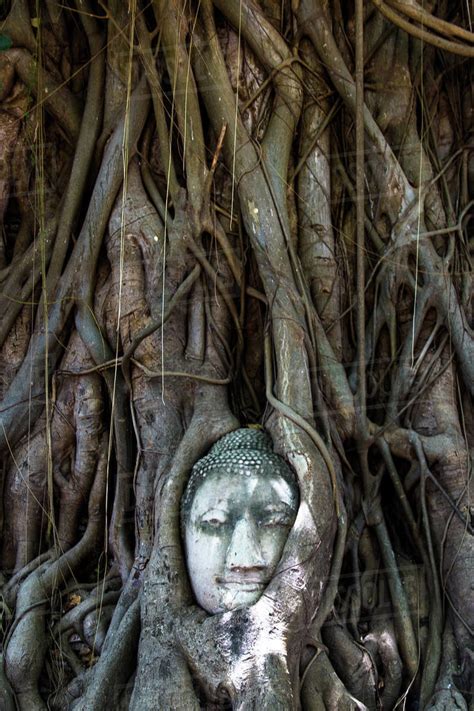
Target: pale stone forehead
[{"x": 244, "y": 452}]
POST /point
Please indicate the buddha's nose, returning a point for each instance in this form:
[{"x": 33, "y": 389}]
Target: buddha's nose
[{"x": 244, "y": 552}]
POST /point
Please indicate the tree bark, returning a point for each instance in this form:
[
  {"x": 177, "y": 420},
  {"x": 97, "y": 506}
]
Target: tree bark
[{"x": 227, "y": 214}]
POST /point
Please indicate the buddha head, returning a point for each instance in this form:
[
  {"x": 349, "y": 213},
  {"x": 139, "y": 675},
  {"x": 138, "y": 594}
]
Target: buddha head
[{"x": 237, "y": 510}]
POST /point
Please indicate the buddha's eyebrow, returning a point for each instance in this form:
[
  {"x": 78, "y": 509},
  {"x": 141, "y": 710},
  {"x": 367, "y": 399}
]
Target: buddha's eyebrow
[
  {"x": 283, "y": 491},
  {"x": 220, "y": 509}
]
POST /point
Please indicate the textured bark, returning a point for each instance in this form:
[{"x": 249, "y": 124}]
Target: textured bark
[{"x": 191, "y": 242}]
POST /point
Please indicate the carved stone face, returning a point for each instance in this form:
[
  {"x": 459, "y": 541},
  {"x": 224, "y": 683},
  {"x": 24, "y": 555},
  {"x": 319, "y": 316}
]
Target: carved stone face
[{"x": 235, "y": 531}]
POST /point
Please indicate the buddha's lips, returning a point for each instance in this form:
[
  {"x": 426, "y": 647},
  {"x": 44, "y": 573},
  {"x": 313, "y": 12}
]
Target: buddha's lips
[{"x": 245, "y": 585}]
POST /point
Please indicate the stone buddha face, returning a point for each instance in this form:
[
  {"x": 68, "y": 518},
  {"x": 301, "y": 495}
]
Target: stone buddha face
[{"x": 239, "y": 506}]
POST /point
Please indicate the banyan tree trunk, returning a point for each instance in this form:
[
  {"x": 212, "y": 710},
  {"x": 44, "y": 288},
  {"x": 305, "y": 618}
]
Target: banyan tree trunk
[{"x": 218, "y": 214}]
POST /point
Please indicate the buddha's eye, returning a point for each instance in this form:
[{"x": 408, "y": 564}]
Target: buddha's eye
[
  {"x": 276, "y": 520},
  {"x": 213, "y": 520}
]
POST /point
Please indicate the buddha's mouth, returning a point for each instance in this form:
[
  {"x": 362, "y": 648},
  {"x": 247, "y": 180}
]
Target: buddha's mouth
[{"x": 242, "y": 585}]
